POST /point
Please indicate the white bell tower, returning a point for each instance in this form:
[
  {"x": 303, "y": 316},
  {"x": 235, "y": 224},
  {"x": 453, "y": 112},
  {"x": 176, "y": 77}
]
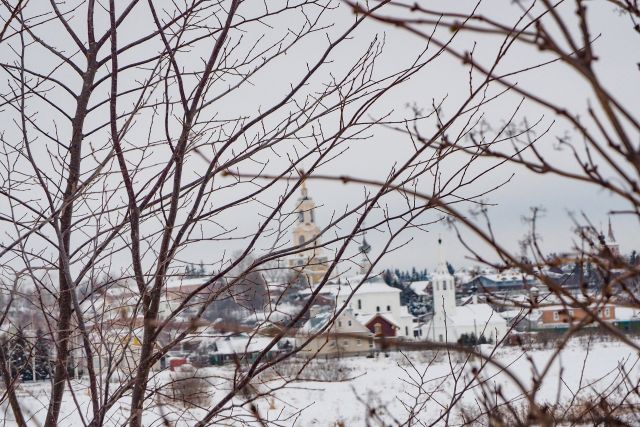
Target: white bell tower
[{"x": 444, "y": 289}]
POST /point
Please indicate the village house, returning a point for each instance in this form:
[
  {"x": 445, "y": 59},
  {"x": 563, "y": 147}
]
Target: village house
[
  {"x": 507, "y": 281},
  {"x": 380, "y": 325},
  {"x": 562, "y": 316},
  {"x": 181, "y": 289},
  {"x": 346, "y": 336}
]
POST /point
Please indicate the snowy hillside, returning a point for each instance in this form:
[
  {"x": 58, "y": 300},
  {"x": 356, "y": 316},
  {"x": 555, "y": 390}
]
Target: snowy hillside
[{"x": 384, "y": 389}]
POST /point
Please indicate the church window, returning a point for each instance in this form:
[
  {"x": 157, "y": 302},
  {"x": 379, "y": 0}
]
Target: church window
[
  {"x": 311, "y": 215},
  {"x": 301, "y": 240},
  {"x": 378, "y": 308},
  {"x": 444, "y": 286},
  {"x": 359, "y": 304},
  {"x": 406, "y": 330},
  {"x": 339, "y": 324},
  {"x": 301, "y": 216},
  {"x": 440, "y": 338},
  {"x": 388, "y": 308}
]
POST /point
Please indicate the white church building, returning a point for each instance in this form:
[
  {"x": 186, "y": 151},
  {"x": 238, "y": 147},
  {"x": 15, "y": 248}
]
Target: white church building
[
  {"x": 450, "y": 321},
  {"x": 374, "y": 297}
]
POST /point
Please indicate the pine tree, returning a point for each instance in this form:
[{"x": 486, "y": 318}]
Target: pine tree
[
  {"x": 450, "y": 268},
  {"x": 19, "y": 357},
  {"x": 43, "y": 356},
  {"x": 387, "y": 277}
]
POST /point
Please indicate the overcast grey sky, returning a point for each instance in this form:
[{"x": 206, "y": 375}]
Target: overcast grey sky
[
  {"x": 446, "y": 77},
  {"x": 374, "y": 157}
]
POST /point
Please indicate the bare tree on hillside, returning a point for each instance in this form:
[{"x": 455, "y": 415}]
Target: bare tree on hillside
[
  {"x": 140, "y": 136},
  {"x": 599, "y": 129},
  {"x": 136, "y": 135}
]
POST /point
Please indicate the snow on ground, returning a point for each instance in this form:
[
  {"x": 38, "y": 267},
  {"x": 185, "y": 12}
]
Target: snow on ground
[{"x": 384, "y": 383}]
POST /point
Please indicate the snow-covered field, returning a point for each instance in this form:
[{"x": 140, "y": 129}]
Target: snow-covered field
[
  {"x": 388, "y": 384},
  {"x": 385, "y": 384}
]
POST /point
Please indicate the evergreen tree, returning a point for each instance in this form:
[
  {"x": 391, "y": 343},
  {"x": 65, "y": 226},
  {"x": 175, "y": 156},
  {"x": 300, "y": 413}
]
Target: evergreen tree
[
  {"x": 450, "y": 268},
  {"x": 387, "y": 277},
  {"x": 43, "y": 356},
  {"x": 19, "y": 357}
]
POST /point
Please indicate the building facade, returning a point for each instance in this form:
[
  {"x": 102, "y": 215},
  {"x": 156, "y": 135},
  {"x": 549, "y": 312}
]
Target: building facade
[{"x": 310, "y": 259}]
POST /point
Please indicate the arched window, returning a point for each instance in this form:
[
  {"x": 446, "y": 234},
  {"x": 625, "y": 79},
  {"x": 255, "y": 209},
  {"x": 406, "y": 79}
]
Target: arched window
[
  {"x": 378, "y": 308},
  {"x": 301, "y": 240},
  {"x": 301, "y": 216},
  {"x": 444, "y": 286},
  {"x": 311, "y": 215},
  {"x": 388, "y": 308},
  {"x": 359, "y": 304}
]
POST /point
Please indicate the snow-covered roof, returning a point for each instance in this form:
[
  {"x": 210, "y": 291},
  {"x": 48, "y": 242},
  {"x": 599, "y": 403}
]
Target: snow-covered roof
[
  {"x": 122, "y": 287},
  {"x": 316, "y": 323},
  {"x": 520, "y": 314},
  {"x": 241, "y": 344},
  {"x": 183, "y": 283},
  {"x": 366, "y": 318},
  {"x": 370, "y": 286},
  {"x": 477, "y": 315},
  {"x": 508, "y": 276},
  {"x": 420, "y": 287}
]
